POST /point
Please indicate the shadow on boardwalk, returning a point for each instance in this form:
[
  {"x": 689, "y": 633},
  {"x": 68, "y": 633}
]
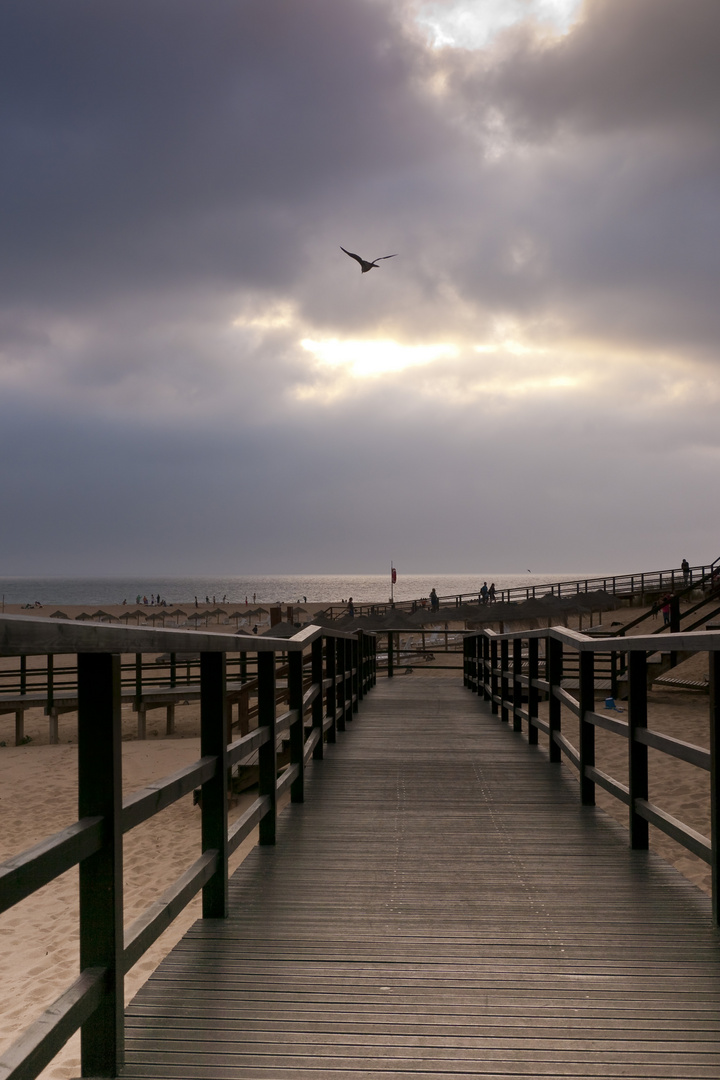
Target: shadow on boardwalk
[{"x": 440, "y": 905}]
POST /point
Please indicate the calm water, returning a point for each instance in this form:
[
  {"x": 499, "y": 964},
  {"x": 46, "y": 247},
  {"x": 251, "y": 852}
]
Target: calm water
[{"x": 364, "y": 588}]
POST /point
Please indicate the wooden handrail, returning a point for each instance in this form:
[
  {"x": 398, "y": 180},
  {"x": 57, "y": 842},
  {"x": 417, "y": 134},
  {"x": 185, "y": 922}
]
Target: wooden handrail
[
  {"x": 481, "y": 676},
  {"x": 346, "y": 662}
]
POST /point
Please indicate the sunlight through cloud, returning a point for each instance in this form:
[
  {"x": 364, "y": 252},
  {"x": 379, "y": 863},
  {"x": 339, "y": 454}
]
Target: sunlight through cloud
[
  {"x": 472, "y": 24},
  {"x": 367, "y": 359}
]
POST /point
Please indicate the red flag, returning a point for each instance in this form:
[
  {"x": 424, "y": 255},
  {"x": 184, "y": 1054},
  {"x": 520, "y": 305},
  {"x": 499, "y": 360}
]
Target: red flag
[{"x": 393, "y": 575}]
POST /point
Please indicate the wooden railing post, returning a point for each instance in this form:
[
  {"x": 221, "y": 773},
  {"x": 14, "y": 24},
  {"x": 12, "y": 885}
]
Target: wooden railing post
[
  {"x": 714, "y": 664},
  {"x": 493, "y": 675},
  {"x": 101, "y": 875},
  {"x": 467, "y": 678},
  {"x": 587, "y": 730},
  {"x": 504, "y": 691},
  {"x": 358, "y": 662},
  {"x": 486, "y": 668},
  {"x": 297, "y": 728},
  {"x": 517, "y": 685},
  {"x": 554, "y": 664},
  {"x": 533, "y": 695},
  {"x": 267, "y": 757},
  {"x": 391, "y": 668},
  {"x": 331, "y": 699},
  {"x": 318, "y": 712},
  {"x": 213, "y": 743},
  {"x": 340, "y": 702},
  {"x": 638, "y": 757}
]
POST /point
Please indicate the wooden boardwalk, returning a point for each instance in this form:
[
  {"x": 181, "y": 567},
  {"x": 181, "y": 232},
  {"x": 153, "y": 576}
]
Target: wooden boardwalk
[{"x": 439, "y": 906}]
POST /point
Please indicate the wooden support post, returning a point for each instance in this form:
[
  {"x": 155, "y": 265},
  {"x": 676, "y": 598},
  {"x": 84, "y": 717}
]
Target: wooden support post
[
  {"x": 101, "y": 874},
  {"x": 169, "y": 719},
  {"x": 19, "y": 726},
  {"x": 587, "y": 730},
  {"x": 331, "y": 698},
  {"x": 493, "y": 675},
  {"x": 486, "y": 664},
  {"x": 54, "y": 733},
  {"x": 138, "y": 680},
  {"x": 297, "y": 728},
  {"x": 173, "y": 670},
  {"x": 358, "y": 660},
  {"x": 23, "y": 674},
  {"x": 50, "y": 682},
  {"x": 638, "y": 754},
  {"x": 267, "y": 757},
  {"x": 340, "y": 704},
  {"x": 554, "y": 664},
  {"x": 714, "y": 664},
  {"x": 504, "y": 683},
  {"x": 517, "y": 685},
  {"x": 533, "y": 695},
  {"x": 213, "y": 743},
  {"x": 142, "y": 720},
  {"x": 317, "y": 705},
  {"x": 467, "y": 681},
  {"x": 391, "y": 669},
  {"x": 244, "y": 712},
  {"x": 349, "y": 707}
]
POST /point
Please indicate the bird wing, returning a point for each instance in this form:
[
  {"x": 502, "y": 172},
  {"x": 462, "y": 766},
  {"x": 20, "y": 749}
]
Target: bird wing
[
  {"x": 352, "y": 255},
  {"x": 379, "y": 259}
]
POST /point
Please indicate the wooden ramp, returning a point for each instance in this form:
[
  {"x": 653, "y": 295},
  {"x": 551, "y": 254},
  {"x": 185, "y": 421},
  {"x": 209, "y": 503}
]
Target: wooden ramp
[{"x": 439, "y": 906}]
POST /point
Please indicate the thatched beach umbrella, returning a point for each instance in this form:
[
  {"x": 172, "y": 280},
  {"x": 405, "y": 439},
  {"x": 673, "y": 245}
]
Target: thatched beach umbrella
[
  {"x": 105, "y": 616},
  {"x": 59, "y": 615},
  {"x": 217, "y": 612},
  {"x": 137, "y": 614},
  {"x": 83, "y": 617},
  {"x": 177, "y": 614}
]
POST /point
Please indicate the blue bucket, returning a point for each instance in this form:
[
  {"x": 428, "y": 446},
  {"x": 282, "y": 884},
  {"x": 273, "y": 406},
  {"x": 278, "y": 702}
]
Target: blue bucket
[{"x": 609, "y": 702}]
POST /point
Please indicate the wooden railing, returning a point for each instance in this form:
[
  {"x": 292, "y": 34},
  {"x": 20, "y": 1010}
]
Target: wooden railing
[
  {"x": 624, "y": 586},
  {"x": 507, "y": 671},
  {"x": 327, "y": 672}
]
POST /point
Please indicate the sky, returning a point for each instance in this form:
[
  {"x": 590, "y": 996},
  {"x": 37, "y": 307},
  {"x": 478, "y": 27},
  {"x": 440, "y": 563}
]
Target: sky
[{"x": 194, "y": 378}]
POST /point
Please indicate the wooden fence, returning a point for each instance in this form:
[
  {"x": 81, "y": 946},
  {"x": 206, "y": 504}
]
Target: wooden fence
[
  {"x": 327, "y": 674},
  {"x": 507, "y": 671}
]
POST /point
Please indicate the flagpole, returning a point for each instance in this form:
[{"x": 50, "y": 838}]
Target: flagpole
[{"x": 392, "y": 584}]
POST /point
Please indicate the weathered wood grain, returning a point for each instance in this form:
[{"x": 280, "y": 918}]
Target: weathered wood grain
[{"x": 440, "y": 905}]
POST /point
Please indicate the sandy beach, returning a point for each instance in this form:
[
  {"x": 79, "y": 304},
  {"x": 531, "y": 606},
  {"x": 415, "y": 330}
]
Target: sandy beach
[{"x": 38, "y": 795}]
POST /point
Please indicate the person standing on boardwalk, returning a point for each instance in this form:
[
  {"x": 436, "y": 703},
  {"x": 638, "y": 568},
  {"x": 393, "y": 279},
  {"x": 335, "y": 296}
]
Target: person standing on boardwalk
[
  {"x": 666, "y": 609},
  {"x": 434, "y": 602},
  {"x": 491, "y": 592},
  {"x": 685, "y": 567},
  {"x": 484, "y": 593}
]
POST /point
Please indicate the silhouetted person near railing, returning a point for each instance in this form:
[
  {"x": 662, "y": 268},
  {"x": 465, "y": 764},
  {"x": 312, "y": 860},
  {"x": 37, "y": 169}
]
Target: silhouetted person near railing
[
  {"x": 351, "y": 608},
  {"x": 434, "y": 602},
  {"x": 685, "y": 567},
  {"x": 491, "y": 593},
  {"x": 484, "y": 593},
  {"x": 666, "y": 609}
]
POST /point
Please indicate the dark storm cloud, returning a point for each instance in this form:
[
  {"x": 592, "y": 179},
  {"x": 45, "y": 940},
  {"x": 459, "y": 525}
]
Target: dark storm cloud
[{"x": 179, "y": 177}]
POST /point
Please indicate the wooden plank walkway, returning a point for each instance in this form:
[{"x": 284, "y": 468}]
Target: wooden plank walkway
[{"x": 439, "y": 906}]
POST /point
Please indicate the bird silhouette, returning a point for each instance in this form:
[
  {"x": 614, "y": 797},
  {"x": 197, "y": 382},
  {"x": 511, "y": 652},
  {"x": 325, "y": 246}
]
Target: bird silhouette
[{"x": 364, "y": 264}]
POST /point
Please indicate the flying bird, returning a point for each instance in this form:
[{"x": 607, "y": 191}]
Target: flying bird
[{"x": 364, "y": 264}]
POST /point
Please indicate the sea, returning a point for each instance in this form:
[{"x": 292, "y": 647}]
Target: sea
[{"x": 276, "y": 588}]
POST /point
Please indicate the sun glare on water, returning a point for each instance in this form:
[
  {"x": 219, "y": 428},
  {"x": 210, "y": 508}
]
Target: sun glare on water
[{"x": 367, "y": 359}]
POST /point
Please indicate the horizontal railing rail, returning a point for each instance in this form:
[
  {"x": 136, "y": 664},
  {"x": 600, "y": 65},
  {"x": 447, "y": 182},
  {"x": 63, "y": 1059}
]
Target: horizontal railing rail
[
  {"x": 506, "y": 670},
  {"x": 327, "y": 674},
  {"x": 624, "y": 586}
]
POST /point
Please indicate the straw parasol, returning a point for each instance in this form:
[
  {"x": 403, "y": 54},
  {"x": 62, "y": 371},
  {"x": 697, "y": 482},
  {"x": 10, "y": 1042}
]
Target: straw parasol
[
  {"x": 83, "y": 617},
  {"x": 177, "y": 614},
  {"x": 137, "y": 614},
  {"x": 59, "y": 615}
]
